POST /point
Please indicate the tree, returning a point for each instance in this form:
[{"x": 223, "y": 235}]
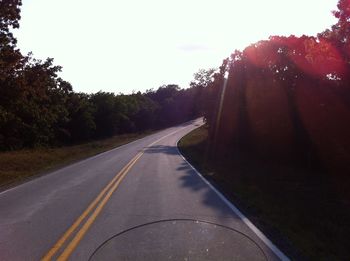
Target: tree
[
  {"x": 81, "y": 124},
  {"x": 105, "y": 115},
  {"x": 10, "y": 57}
]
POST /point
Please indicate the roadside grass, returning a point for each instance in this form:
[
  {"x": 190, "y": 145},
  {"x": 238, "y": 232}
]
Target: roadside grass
[
  {"x": 306, "y": 215},
  {"x": 19, "y": 166}
]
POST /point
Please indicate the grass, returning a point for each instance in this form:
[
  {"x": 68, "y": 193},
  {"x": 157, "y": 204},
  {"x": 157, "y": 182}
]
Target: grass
[
  {"x": 306, "y": 214},
  {"x": 21, "y": 165}
]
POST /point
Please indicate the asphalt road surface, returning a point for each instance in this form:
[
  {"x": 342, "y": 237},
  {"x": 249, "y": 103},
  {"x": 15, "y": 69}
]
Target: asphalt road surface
[{"x": 141, "y": 201}]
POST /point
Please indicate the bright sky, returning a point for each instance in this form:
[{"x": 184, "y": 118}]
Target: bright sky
[{"x": 134, "y": 45}]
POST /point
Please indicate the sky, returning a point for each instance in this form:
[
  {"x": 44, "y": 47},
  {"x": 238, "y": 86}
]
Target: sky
[{"x": 124, "y": 46}]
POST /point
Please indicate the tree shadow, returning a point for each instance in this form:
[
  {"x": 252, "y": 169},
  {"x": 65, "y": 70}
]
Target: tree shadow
[
  {"x": 170, "y": 150},
  {"x": 189, "y": 179}
]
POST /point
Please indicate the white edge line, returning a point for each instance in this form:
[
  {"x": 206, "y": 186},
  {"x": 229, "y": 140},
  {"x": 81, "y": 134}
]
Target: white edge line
[{"x": 267, "y": 241}]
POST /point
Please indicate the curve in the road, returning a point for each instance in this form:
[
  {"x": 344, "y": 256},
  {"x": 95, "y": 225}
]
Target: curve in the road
[{"x": 94, "y": 209}]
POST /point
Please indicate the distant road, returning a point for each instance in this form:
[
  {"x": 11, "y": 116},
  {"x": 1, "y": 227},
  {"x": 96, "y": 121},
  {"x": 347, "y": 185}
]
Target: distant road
[{"x": 70, "y": 212}]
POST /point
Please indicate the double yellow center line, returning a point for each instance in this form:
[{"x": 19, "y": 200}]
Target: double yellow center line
[{"x": 94, "y": 209}]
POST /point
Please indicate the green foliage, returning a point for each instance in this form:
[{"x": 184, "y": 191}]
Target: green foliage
[
  {"x": 38, "y": 108},
  {"x": 285, "y": 99},
  {"x": 9, "y": 18},
  {"x": 278, "y": 115},
  {"x": 81, "y": 124}
]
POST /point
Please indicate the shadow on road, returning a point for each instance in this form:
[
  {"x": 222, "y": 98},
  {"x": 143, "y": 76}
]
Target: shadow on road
[
  {"x": 190, "y": 180},
  {"x": 170, "y": 150}
]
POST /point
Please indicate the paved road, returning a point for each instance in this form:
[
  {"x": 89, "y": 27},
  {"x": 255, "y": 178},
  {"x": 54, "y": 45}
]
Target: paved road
[{"x": 153, "y": 206}]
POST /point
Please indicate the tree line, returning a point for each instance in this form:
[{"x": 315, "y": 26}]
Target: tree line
[
  {"x": 38, "y": 108},
  {"x": 285, "y": 100}
]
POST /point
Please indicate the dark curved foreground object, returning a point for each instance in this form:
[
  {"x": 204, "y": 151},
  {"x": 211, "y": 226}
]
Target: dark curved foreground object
[{"x": 179, "y": 239}]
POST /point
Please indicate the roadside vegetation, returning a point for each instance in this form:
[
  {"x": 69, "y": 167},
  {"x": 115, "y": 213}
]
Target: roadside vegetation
[
  {"x": 277, "y": 138},
  {"x": 305, "y": 216},
  {"x": 20, "y": 165},
  {"x": 39, "y": 108},
  {"x": 44, "y": 123}
]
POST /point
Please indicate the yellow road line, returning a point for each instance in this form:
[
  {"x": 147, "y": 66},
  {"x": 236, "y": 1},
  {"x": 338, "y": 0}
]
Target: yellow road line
[
  {"x": 75, "y": 241},
  {"x": 75, "y": 225},
  {"x": 106, "y": 193}
]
